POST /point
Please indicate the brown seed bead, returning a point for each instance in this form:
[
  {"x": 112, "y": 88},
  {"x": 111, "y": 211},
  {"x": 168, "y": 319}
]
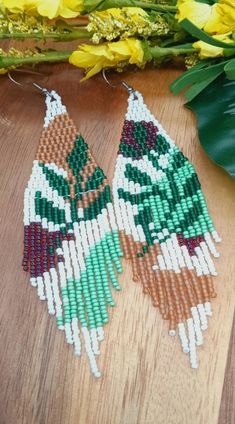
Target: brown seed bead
[
  {"x": 139, "y": 246},
  {"x": 177, "y": 300},
  {"x": 148, "y": 265},
  {"x": 143, "y": 277},
  {"x": 73, "y": 179},
  {"x": 157, "y": 249},
  {"x": 124, "y": 244},
  {"x": 185, "y": 275},
  {"x": 210, "y": 285},
  {"x": 72, "y": 192},
  {"x": 87, "y": 170},
  {"x": 153, "y": 292},
  {"x": 135, "y": 275},
  {"x": 205, "y": 291},
  {"x": 188, "y": 287},
  {"x": 190, "y": 292},
  {"x": 131, "y": 245},
  {"x": 153, "y": 255},
  {"x": 170, "y": 300},
  {"x": 195, "y": 286},
  {"x": 151, "y": 279},
  {"x": 161, "y": 293},
  {"x": 172, "y": 326},
  {"x": 90, "y": 196},
  {"x": 184, "y": 297},
  {"x": 70, "y": 174}
]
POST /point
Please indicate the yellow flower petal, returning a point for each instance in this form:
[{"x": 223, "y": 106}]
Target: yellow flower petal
[
  {"x": 71, "y": 8},
  {"x": 135, "y": 11},
  {"x": 207, "y": 50},
  {"x": 197, "y": 13},
  {"x": 95, "y": 58},
  {"x": 213, "y": 23},
  {"x": 120, "y": 49},
  {"x": 49, "y": 8},
  {"x": 88, "y": 56},
  {"x": 137, "y": 55},
  {"x": 117, "y": 12},
  {"x": 93, "y": 71},
  {"x": 222, "y": 18},
  {"x": 18, "y": 6}
]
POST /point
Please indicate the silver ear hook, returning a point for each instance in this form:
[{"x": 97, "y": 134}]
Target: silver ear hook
[
  {"x": 123, "y": 83},
  {"x": 42, "y": 89}
]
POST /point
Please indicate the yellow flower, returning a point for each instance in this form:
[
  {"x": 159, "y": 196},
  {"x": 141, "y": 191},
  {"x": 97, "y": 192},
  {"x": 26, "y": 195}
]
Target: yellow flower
[
  {"x": 216, "y": 19},
  {"x": 197, "y": 13},
  {"x": 19, "y": 6},
  {"x": 95, "y": 58},
  {"x": 124, "y": 23},
  {"x": 65, "y": 8},
  {"x": 222, "y": 18},
  {"x": 2, "y": 8},
  {"x": 207, "y": 50},
  {"x": 117, "y": 13},
  {"x": 48, "y": 8}
]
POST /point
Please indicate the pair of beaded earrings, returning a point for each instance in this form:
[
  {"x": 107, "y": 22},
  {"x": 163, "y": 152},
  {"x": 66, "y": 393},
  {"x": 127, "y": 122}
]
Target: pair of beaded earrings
[{"x": 76, "y": 231}]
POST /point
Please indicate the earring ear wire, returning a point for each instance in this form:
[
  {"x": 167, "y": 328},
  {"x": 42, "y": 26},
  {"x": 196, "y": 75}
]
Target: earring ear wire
[
  {"x": 122, "y": 82},
  {"x": 34, "y": 84}
]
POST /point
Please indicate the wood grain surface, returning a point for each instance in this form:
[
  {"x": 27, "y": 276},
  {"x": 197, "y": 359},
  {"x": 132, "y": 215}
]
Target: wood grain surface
[
  {"x": 227, "y": 407},
  {"x": 146, "y": 379}
]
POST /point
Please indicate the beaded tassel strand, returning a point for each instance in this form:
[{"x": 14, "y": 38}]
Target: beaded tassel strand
[
  {"x": 165, "y": 228},
  {"x": 71, "y": 240}
]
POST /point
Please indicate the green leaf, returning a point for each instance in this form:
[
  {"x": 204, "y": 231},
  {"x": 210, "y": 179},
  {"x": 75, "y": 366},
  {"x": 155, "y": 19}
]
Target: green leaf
[
  {"x": 198, "y": 87},
  {"x": 90, "y": 5},
  {"x": 215, "y": 112},
  {"x": 179, "y": 81},
  {"x": 203, "y": 36},
  {"x": 195, "y": 75},
  {"x": 230, "y": 69},
  {"x": 207, "y": 1}
]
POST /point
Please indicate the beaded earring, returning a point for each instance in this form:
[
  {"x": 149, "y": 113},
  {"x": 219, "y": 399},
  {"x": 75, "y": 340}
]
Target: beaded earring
[
  {"x": 71, "y": 241},
  {"x": 165, "y": 228}
]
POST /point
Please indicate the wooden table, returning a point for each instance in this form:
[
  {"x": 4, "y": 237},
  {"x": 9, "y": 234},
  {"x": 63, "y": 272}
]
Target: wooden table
[{"x": 146, "y": 378}]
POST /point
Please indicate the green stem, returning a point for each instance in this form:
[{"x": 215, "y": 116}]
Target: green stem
[
  {"x": 159, "y": 52},
  {"x": 157, "y": 7},
  {"x": 46, "y": 56},
  {"x": 92, "y": 5},
  {"x": 78, "y": 34}
]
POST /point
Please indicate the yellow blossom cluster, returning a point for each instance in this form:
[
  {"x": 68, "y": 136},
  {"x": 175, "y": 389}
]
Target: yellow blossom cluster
[
  {"x": 18, "y": 23},
  {"x": 217, "y": 20},
  {"x": 108, "y": 55},
  {"x": 49, "y": 8},
  {"x": 125, "y": 22}
]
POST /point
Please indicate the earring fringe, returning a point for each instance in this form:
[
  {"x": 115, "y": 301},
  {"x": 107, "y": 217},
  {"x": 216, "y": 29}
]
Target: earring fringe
[
  {"x": 71, "y": 241},
  {"x": 165, "y": 228}
]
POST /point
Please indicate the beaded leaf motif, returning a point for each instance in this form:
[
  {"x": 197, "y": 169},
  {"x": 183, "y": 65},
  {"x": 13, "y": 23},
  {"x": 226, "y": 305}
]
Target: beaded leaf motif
[
  {"x": 71, "y": 241},
  {"x": 165, "y": 228}
]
